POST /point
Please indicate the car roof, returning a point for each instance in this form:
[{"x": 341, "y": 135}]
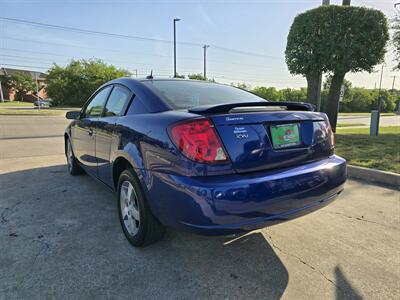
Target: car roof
[
  {"x": 168, "y": 79},
  {"x": 124, "y": 80}
]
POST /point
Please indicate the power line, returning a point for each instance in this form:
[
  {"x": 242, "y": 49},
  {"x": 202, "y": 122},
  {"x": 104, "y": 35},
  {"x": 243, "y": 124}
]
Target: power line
[
  {"x": 256, "y": 81},
  {"x": 229, "y": 76},
  {"x": 82, "y": 47},
  {"x": 30, "y": 51},
  {"x": 25, "y": 66},
  {"x": 86, "y": 31},
  {"x": 245, "y": 52},
  {"x": 159, "y": 73},
  {"x": 69, "y": 58},
  {"x": 132, "y": 37},
  {"x": 128, "y": 52},
  {"x": 129, "y": 64},
  {"x": 25, "y": 57}
]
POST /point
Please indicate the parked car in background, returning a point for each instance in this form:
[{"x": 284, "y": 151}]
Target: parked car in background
[
  {"x": 203, "y": 157},
  {"x": 42, "y": 103}
]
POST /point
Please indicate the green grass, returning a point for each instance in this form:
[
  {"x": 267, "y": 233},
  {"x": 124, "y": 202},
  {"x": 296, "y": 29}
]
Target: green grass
[
  {"x": 360, "y": 149},
  {"x": 31, "y": 112},
  {"x": 365, "y": 114},
  {"x": 350, "y": 125},
  {"x": 15, "y": 103}
]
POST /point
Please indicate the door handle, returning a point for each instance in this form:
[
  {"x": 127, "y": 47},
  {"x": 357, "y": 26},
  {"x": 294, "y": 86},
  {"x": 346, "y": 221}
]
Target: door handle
[{"x": 90, "y": 132}]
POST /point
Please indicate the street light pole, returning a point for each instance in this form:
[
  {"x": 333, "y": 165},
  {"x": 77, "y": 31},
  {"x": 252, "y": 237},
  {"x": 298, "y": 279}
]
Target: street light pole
[
  {"x": 205, "y": 56},
  {"x": 175, "y": 20}
]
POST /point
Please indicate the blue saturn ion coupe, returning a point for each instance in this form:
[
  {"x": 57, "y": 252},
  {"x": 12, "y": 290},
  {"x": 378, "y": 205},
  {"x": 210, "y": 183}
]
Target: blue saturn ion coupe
[{"x": 203, "y": 157}]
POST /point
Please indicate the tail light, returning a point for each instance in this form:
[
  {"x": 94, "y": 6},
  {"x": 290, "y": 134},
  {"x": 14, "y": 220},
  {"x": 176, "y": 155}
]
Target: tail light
[{"x": 198, "y": 140}]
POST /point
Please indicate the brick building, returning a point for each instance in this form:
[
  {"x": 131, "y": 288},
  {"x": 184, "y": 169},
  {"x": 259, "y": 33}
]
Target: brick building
[{"x": 9, "y": 93}]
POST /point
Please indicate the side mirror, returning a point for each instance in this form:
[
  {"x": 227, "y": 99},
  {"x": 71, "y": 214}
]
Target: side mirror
[{"x": 73, "y": 115}]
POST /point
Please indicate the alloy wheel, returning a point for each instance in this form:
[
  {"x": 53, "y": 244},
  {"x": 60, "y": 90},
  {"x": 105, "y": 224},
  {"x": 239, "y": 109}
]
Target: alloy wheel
[
  {"x": 129, "y": 208},
  {"x": 70, "y": 155}
]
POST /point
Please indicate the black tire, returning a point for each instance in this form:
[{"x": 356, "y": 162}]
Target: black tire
[
  {"x": 72, "y": 164},
  {"x": 148, "y": 228}
]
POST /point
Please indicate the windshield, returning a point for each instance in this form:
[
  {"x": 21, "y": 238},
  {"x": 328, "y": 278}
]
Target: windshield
[{"x": 186, "y": 94}]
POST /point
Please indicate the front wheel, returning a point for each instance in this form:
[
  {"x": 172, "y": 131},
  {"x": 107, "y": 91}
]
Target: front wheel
[
  {"x": 73, "y": 167},
  {"x": 140, "y": 226}
]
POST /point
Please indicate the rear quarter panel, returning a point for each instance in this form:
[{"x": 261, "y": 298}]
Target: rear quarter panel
[{"x": 144, "y": 138}]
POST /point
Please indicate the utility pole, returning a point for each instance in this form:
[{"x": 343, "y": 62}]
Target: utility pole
[
  {"x": 394, "y": 78},
  {"x": 37, "y": 90},
  {"x": 205, "y": 60},
  {"x": 379, "y": 92},
  {"x": 175, "y": 20},
  {"x": 319, "y": 87},
  {"x": 1, "y": 93}
]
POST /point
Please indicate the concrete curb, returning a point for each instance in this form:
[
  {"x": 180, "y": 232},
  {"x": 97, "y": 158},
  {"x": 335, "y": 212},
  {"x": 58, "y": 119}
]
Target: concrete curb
[{"x": 381, "y": 177}]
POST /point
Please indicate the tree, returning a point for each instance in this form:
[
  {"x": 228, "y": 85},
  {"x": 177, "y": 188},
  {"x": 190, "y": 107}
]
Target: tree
[
  {"x": 179, "y": 76},
  {"x": 328, "y": 81},
  {"x": 336, "y": 40},
  {"x": 269, "y": 93},
  {"x": 294, "y": 95},
  {"x": 388, "y": 101},
  {"x": 21, "y": 83},
  {"x": 243, "y": 86},
  {"x": 357, "y": 100},
  {"x": 196, "y": 76},
  {"x": 72, "y": 85}
]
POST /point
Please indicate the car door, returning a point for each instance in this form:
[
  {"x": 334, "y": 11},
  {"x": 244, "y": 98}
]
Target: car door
[
  {"x": 83, "y": 132},
  {"x": 106, "y": 137}
]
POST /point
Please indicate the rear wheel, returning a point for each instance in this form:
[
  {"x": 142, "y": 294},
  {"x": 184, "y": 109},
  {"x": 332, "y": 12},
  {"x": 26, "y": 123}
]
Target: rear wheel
[
  {"x": 140, "y": 226},
  {"x": 73, "y": 167}
]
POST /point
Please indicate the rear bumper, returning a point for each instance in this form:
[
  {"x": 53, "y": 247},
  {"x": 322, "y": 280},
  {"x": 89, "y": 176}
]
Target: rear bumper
[{"x": 236, "y": 203}]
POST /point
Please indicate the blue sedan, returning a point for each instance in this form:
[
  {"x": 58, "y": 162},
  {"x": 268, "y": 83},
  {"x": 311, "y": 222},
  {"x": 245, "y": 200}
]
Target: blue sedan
[{"x": 203, "y": 157}]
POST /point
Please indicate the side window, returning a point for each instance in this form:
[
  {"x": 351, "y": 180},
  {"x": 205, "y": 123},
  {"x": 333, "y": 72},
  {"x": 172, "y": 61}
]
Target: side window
[
  {"x": 117, "y": 101},
  {"x": 96, "y": 105}
]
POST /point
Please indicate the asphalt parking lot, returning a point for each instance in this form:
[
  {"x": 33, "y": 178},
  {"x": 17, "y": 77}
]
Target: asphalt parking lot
[{"x": 60, "y": 239}]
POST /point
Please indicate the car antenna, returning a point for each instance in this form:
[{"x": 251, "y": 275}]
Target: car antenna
[{"x": 150, "y": 76}]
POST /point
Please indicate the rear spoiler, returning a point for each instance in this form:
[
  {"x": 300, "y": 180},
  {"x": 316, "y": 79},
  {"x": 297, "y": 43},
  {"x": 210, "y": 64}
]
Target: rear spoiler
[{"x": 263, "y": 105}]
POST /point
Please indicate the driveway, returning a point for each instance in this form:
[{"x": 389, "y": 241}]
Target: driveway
[{"x": 60, "y": 238}]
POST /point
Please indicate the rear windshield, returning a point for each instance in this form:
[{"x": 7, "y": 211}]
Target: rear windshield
[{"x": 186, "y": 94}]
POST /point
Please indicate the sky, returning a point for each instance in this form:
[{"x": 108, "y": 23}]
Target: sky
[{"x": 247, "y": 38}]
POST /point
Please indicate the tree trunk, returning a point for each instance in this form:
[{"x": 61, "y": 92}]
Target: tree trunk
[
  {"x": 332, "y": 104},
  {"x": 312, "y": 88}
]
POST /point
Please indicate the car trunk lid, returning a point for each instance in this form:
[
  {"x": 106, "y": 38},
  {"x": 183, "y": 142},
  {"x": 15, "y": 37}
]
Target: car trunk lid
[{"x": 260, "y": 137}]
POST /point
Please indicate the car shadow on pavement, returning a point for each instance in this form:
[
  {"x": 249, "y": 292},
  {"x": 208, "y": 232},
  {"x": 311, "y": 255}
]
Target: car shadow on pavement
[
  {"x": 60, "y": 238},
  {"x": 344, "y": 289}
]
